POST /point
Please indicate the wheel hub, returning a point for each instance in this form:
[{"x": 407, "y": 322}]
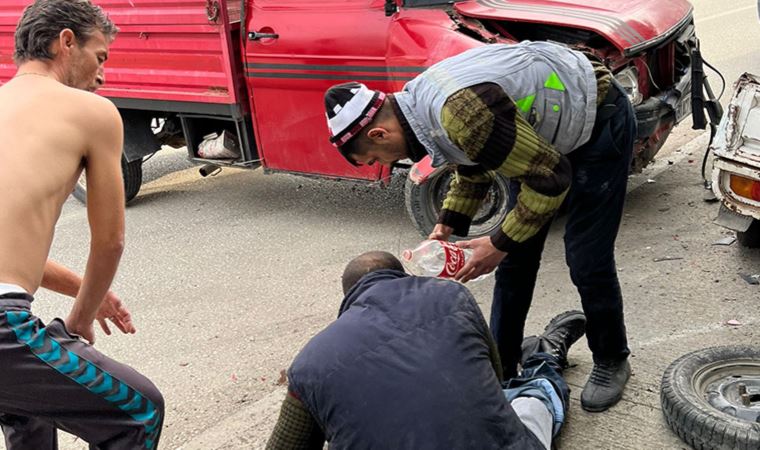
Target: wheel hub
[
  {"x": 737, "y": 395},
  {"x": 488, "y": 215}
]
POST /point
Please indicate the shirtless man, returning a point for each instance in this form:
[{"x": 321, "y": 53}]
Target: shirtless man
[{"x": 53, "y": 127}]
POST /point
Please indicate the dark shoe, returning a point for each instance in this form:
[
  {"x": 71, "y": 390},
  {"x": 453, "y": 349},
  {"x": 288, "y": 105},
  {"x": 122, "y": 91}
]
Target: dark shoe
[
  {"x": 605, "y": 385},
  {"x": 562, "y": 332}
]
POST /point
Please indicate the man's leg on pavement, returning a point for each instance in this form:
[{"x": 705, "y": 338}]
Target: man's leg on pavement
[
  {"x": 513, "y": 293},
  {"x": 540, "y": 396},
  {"x": 536, "y": 418},
  {"x": 54, "y": 377},
  {"x": 595, "y": 208}
]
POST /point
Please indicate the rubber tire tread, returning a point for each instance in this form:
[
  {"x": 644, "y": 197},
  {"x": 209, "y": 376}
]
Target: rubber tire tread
[
  {"x": 132, "y": 175},
  {"x": 416, "y": 199},
  {"x": 751, "y": 237},
  {"x": 693, "y": 420}
]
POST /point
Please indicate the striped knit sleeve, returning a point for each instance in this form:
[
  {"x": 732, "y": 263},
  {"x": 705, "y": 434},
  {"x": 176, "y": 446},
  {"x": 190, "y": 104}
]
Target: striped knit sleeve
[
  {"x": 469, "y": 186},
  {"x": 603, "y": 77},
  {"x": 295, "y": 429},
  {"x": 485, "y": 124}
]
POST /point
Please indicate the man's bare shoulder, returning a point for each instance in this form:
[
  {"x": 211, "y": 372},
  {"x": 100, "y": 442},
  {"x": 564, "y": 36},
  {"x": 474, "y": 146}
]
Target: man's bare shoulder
[
  {"x": 51, "y": 98},
  {"x": 94, "y": 108}
]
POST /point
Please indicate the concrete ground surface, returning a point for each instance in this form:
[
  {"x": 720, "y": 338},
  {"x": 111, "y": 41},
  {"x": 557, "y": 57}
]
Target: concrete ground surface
[{"x": 228, "y": 277}]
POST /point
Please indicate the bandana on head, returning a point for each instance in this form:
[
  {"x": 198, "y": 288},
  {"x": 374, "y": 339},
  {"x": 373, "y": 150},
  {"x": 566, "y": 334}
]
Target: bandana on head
[{"x": 350, "y": 107}]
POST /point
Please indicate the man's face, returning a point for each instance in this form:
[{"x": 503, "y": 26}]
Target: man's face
[
  {"x": 385, "y": 150},
  {"x": 85, "y": 67},
  {"x": 376, "y": 155}
]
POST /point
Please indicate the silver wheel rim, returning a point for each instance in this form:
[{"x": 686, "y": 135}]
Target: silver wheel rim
[
  {"x": 731, "y": 387},
  {"x": 487, "y": 218}
]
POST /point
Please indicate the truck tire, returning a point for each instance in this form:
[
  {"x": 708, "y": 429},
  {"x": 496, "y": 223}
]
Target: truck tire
[
  {"x": 751, "y": 237},
  {"x": 130, "y": 171},
  {"x": 424, "y": 202},
  {"x": 701, "y": 401}
]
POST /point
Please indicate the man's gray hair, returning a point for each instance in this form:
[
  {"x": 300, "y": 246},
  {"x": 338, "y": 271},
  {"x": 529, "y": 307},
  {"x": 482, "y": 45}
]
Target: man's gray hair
[{"x": 43, "y": 21}]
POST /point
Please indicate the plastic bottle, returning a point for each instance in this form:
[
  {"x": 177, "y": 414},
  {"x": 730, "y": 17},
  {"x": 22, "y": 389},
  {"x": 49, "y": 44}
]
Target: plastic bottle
[{"x": 433, "y": 258}]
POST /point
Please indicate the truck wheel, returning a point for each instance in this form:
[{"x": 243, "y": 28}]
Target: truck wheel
[
  {"x": 711, "y": 398},
  {"x": 751, "y": 237},
  {"x": 424, "y": 202},
  {"x": 132, "y": 173}
]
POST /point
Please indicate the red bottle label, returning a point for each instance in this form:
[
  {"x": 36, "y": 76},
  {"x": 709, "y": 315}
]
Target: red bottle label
[{"x": 454, "y": 260}]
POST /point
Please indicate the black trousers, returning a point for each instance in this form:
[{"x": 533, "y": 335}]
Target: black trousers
[
  {"x": 52, "y": 380},
  {"x": 594, "y": 208}
]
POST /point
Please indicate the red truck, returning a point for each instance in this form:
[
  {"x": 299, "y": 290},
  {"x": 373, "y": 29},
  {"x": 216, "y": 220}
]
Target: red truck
[{"x": 257, "y": 70}]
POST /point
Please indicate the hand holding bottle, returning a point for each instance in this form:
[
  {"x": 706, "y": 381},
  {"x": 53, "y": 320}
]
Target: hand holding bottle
[
  {"x": 484, "y": 260},
  {"x": 436, "y": 258}
]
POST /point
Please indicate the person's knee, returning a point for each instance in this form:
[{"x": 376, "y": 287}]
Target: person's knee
[
  {"x": 159, "y": 402},
  {"x": 151, "y": 392},
  {"x": 155, "y": 396},
  {"x": 590, "y": 267}
]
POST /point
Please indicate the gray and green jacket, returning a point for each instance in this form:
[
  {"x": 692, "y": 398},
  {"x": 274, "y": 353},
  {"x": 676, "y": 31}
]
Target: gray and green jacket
[{"x": 512, "y": 109}]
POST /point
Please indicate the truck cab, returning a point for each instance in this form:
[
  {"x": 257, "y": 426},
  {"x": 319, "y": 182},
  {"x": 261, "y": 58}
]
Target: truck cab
[{"x": 256, "y": 70}]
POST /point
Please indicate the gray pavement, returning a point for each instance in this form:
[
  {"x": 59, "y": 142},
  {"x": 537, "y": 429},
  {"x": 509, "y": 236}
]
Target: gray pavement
[{"x": 227, "y": 278}]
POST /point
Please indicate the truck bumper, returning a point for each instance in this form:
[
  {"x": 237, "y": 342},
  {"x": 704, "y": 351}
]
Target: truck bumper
[{"x": 736, "y": 212}]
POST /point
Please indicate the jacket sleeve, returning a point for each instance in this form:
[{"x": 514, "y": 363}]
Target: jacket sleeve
[
  {"x": 485, "y": 124},
  {"x": 469, "y": 186},
  {"x": 295, "y": 429}
]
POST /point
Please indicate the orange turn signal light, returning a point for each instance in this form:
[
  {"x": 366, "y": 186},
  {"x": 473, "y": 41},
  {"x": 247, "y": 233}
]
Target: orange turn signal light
[{"x": 746, "y": 187}]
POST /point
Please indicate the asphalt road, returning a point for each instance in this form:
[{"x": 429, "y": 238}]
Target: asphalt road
[{"x": 227, "y": 278}]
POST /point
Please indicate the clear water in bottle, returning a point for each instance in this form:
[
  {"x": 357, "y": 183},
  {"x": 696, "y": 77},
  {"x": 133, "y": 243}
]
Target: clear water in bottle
[{"x": 434, "y": 258}]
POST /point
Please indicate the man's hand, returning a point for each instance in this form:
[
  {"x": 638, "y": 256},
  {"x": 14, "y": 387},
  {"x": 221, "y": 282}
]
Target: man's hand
[
  {"x": 80, "y": 327},
  {"x": 441, "y": 232},
  {"x": 485, "y": 258},
  {"x": 111, "y": 309},
  {"x": 114, "y": 310}
]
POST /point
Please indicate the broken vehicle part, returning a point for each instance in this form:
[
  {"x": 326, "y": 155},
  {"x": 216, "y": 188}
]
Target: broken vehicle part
[{"x": 736, "y": 170}]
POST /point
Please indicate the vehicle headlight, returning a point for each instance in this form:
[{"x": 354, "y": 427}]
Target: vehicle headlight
[{"x": 629, "y": 79}]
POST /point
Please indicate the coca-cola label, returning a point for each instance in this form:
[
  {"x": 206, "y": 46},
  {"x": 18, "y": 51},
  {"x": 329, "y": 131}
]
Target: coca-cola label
[{"x": 454, "y": 260}]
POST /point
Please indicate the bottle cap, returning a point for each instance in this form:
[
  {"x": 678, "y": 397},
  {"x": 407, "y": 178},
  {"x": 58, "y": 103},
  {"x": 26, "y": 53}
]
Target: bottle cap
[{"x": 407, "y": 255}]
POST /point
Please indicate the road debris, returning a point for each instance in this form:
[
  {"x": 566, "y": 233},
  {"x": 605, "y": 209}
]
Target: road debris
[
  {"x": 283, "y": 378},
  {"x": 733, "y": 323},
  {"x": 728, "y": 240},
  {"x": 667, "y": 258},
  {"x": 751, "y": 279}
]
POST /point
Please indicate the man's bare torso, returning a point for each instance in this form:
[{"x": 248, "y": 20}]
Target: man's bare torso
[{"x": 43, "y": 138}]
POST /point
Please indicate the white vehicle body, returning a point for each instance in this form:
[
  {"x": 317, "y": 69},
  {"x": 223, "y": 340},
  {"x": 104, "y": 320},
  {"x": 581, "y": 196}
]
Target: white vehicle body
[{"x": 736, "y": 170}]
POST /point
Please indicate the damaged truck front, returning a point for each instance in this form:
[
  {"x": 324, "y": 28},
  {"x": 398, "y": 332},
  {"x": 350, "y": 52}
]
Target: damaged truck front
[
  {"x": 254, "y": 72},
  {"x": 650, "y": 46}
]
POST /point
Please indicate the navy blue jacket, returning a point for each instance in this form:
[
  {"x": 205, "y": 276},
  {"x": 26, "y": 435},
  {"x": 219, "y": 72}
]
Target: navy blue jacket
[{"x": 406, "y": 366}]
